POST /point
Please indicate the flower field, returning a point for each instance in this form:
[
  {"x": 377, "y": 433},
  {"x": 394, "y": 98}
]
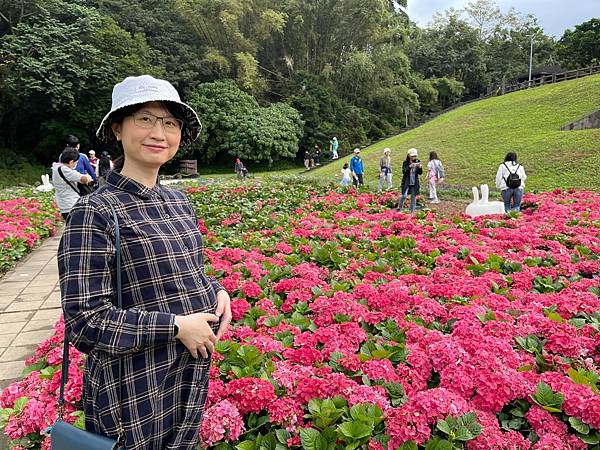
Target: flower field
[
  {"x": 24, "y": 222},
  {"x": 356, "y": 326}
]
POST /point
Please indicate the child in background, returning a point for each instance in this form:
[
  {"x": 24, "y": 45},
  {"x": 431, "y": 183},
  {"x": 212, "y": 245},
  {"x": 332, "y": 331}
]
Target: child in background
[
  {"x": 346, "y": 176},
  {"x": 435, "y": 176}
]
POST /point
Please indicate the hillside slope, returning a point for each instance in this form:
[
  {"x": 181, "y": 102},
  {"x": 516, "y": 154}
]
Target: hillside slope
[{"x": 472, "y": 140}]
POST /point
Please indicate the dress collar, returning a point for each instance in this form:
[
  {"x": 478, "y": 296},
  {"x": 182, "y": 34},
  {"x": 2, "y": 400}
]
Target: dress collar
[{"x": 127, "y": 184}]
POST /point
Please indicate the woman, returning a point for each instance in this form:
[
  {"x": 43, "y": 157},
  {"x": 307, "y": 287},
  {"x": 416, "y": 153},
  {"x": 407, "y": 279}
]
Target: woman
[
  {"x": 173, "y": 314},
  {"x": 385, "y": 169},
  {"x": 65, "y": 179},
  {"x": 411, "y": 169},
  {"x": 510, "y": 179},
  {"x": 435, "y": 176}
]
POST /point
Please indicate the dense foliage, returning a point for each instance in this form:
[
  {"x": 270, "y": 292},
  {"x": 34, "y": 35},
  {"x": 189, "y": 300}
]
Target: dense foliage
[
  {"x": 355, "y": 69},
  {"x": 356, "y": 326}
]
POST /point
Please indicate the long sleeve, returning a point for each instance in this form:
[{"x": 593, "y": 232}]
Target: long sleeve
[
  {"x": 499, "y": 179},
  {"x": 86, "y": 262}
]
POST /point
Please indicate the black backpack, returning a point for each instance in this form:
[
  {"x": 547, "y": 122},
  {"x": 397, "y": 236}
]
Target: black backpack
[{"x": 513, "y": 180}]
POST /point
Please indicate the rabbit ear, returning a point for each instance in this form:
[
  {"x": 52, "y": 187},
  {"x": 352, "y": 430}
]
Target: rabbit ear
[
  {"x": 475, "y": 195},
  {"x": 485, "y": 193}
]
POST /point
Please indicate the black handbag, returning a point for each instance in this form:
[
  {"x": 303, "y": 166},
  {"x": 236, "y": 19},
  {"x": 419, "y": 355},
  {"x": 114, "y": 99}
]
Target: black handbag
[
  {"x": 66, "y": 436},
  {"x": 81, "y": 189}
]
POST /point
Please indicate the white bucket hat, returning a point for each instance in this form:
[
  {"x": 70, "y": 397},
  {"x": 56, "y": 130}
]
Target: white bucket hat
[
  {"x": 387, "y": 150},
  {"x": 144, "y": 89},
  {"x": 413, "y": 152},
  {"x": 357, "y": 150}
]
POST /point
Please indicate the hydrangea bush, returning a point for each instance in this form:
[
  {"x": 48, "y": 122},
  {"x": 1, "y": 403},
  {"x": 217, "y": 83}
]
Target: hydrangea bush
[
  {"x": 356, "y": 326},
  {"x": 24, "y": 222}
]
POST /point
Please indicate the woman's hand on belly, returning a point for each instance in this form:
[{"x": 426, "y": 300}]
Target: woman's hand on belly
[{"x": 195, "y": 333}]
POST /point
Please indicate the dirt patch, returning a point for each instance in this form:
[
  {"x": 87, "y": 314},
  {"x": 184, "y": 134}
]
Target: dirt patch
[{"x": 449, "y": 207}]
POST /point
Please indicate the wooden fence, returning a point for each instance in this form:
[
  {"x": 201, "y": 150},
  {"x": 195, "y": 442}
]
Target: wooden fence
[{"x": 549, "y": 79}]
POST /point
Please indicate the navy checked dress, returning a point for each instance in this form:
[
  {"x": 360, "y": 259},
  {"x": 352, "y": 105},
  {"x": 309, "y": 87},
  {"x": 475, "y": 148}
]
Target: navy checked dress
[{"x": 164, "y": 388}]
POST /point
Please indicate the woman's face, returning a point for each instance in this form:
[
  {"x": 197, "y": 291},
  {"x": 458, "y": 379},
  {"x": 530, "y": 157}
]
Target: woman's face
[{"x": 149, "y": 146}]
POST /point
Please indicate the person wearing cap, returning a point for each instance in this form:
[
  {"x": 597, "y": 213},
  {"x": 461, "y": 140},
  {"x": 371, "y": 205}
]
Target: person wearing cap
[
  {"x": 411, "y": 169},
  {"x": 172, "y": 313},
  {"x": 385, "y": 169},
  {"x": 93, "y": 160},
  {"x": 357, "y": 168},
  {"x": 333, "y": 148}
]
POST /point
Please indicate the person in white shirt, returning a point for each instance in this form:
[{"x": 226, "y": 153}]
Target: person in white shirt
[
  {"x": 510, "y": 179},
  {"x": 346, "y": 176},
  {"x": 435, "y": 176},
  {"x": 65, "y": 179}
]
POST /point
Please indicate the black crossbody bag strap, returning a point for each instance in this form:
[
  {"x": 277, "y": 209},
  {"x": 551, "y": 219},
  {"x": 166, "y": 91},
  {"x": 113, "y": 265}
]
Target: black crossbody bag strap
[
  {"x": 62, "y": 175},
  {"x": 65, "y": 365}
]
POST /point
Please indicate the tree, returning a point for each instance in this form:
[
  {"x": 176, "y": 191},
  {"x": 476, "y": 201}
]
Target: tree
[
  {"x": 581, "y": 47},
  {"x": 236, "y": 126},
  {"x": 60, "y": 65}
]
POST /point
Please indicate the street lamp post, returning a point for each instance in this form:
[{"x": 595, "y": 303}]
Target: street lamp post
[{"x": 530, "y": 59}]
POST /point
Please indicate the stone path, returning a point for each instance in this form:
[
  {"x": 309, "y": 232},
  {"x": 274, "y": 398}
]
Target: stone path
[{"x": 29, "y": 308}]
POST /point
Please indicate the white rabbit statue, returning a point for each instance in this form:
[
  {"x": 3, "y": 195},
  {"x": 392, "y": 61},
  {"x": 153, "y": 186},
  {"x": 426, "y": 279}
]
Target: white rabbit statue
[{"x": 482, "y": 207}]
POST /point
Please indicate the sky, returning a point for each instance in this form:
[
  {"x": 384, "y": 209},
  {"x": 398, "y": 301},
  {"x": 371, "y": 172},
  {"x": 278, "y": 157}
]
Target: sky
[{"x": 554, "y": 16}]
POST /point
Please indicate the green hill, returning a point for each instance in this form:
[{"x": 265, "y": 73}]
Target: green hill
[{"x": 472, "y": 140}]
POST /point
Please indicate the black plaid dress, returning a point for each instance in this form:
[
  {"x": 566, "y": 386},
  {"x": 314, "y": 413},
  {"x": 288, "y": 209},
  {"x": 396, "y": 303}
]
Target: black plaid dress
[{"x": 164, "y": 388}]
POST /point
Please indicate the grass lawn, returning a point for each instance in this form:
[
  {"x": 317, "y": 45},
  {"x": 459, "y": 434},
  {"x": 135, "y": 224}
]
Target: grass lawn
[{"x": 472, "y": 140}]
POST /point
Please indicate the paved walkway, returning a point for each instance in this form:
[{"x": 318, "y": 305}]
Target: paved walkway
[{"x": 29, "y": 308}]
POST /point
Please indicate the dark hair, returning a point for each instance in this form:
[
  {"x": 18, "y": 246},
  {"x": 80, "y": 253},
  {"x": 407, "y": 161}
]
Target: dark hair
[
  {"x": 69, "y": 154},
  {"x": 72, "y": 141},
  {"x": 119, "y": 115},
  {"x": 432, "y": 156},
  {"x": 345, "y": 165},
  {"x": 510, "y": 156}
]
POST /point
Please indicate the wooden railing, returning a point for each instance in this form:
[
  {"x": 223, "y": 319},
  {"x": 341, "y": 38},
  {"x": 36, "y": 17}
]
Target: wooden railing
[{"x": 548, "y": 79}]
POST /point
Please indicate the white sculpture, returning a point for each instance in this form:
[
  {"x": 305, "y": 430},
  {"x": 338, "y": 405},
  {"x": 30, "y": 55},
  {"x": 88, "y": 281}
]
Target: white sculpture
[
  {"x": 484, "y": 206},
  {"x": 46, "y": 186}
]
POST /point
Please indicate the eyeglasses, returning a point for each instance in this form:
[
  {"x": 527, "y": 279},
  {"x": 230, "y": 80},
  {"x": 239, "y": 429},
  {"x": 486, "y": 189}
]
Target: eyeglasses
[{"x": 147, "y": 121}]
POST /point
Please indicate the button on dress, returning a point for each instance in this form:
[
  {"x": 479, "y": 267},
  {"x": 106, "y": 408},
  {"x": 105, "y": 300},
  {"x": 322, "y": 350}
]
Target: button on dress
[{"x": 164, "y": 388}]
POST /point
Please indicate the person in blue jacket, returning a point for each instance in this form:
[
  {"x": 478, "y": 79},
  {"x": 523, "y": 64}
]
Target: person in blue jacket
[
  {"x": 83, "y": 165},
  {"x": 357, "y": 168}
]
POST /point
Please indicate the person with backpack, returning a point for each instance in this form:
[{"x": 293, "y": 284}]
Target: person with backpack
[
  {"x": 510, "y": 179},
  {"x": 435, "y": 176},
  {"x": 66, "y": 179}
]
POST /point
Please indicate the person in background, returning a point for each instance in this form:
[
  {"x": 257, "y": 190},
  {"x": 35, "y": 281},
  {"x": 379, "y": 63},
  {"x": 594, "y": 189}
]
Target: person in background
[
  {"x": 240, "y": 169},
  {"x": 357, "y": 168},
  {"x": 83, "y": 163},
  {"x": 333, "y": 148},
  {"x": 385, "y": 169},
  {"x": 346, "y": 176},
  {"x": 317, "y": 155},
  {"x": 307, "y": 160},
  {"x": 411, "y": 169},
  {"x": 435, "y": 176},
  {"x": 105, "y": 165},
  {"x": 65, "y": 179},
  {"x": 172, "y": 313},
  {"x": 510, "y": 179},
  {"x": 93, "y": 160}
]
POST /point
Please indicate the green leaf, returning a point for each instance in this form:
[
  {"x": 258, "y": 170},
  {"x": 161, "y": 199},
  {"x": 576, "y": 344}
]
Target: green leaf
[
  {"x": 579, "y": 426},
  {"x": 546, "y": 398},
  {"x": 283, "y": 435},
  {"x": 33, "y": 367},
  {"x": 269, "y": 442},
  {"x": 355, "y": 429},
  {"x": 246, "y": 445},
  {"x": 310, "y": 438},
  {"x": 410, "y": 445},
  {"x": 20, "y": 404}
]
